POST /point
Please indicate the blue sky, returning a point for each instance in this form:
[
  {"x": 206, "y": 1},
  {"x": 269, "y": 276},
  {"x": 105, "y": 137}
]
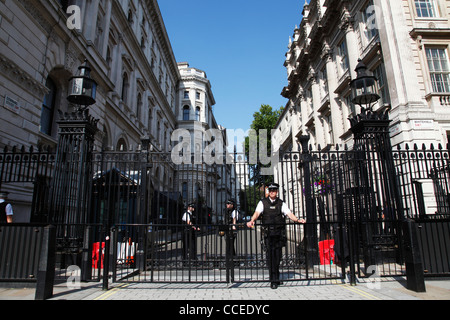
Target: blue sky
[{"x": 241, "y": 46}]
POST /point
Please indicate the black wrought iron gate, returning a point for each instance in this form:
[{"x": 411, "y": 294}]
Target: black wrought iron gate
[
  {"x": 221, "y": 256},
  {"x": 119, "y": 213}
]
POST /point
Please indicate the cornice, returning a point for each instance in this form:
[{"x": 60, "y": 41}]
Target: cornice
[
  {"x": 161, "y": 31},
  {"x": 16, "y": 73},
  {"x": 430, "y": 32}
]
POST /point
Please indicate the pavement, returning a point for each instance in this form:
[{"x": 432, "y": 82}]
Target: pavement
[{"x": 383, "y": 289}]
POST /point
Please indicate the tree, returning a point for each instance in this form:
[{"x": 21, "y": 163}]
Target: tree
[{"x": 265, "y": 118}]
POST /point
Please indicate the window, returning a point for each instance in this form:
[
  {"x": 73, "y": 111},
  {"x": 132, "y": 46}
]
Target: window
[
  {"x": 323, "y": 82},
  {"x": 125, "y": 86},
  {"x": 66, "y": 3},
  {"x": 350, "y": 106},
  {"x": 329, "y": 123},
  {"x": 370, "y": 29},
  {"x": 139, "y": 106},
  {"x": 108, "y": 57},
  {"x": 158, "y": 130},
  {"x": 130, "y": 16},
  {"x": 184, "y": 190},
  {"x": 121, "y": 145},
  {"x": 197, "y": 114},
  {"x": 383, "y": 90},
  {"x": 438, "y": 68},
  {"x": 197, "y": 95},
  {"x": 343, "y": 57},
  {"x": 425, "y": 8},
  {"x": 309, "y": 100},
  {"x": 48, "y": 108},
  {"x": 186, "y": 94},
  {"x": 186, "y": 113}
]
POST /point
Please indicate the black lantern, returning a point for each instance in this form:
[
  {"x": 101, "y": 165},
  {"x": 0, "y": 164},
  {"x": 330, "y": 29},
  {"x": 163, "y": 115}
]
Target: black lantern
[
  {"x": 364, "y": 91},
  {"x": 82, "y": 88}
]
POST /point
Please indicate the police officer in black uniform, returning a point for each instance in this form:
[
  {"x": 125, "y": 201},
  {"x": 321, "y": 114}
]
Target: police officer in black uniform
[
  {"x": 274, "y": 212},
  {"x": 6, "y": 212},
  {"x": 232, "y": 216},
  {"x": 190, "y": 233}
]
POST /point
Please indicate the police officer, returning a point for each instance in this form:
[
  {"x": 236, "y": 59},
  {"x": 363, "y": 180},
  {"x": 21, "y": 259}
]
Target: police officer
[
  {"x": 190, "y": 235},
  {"x": 232, "y": 217},
  {"x": 6, "y": 211},
  {"x": 273, "y": 211}
]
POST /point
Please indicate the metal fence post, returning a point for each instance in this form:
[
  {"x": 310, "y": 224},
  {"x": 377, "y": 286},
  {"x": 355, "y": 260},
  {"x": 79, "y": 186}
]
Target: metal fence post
[
  {"x": 106, "y": 259},
  {"x": 86, "y": 259},
  {"x": 413, "y": 261},
  {"x": 46, "y": 270}
]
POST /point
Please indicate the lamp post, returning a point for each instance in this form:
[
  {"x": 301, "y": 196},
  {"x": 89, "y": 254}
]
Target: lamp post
[
  {"x": 364, "y": 91},
  {"x": 82, "y": 88},
  {"x": 70, "y": 201}
]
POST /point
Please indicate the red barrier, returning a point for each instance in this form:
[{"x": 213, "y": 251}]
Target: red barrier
[
  {"x": 95, "y": 254},
  {"x": 326, "y": 250}
]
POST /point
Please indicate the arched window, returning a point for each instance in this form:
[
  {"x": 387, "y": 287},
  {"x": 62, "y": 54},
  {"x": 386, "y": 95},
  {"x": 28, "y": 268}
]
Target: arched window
[
  {"x": 186, "y": 112},
  {"x": 48, "y": 108},
  {"x": 121, "y": 145}
]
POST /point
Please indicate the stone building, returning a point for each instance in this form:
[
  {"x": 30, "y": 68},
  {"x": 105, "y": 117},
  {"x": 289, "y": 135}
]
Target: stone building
[
  {"x": 139, "y": 84},
  {"x": 405, "y": 46}
]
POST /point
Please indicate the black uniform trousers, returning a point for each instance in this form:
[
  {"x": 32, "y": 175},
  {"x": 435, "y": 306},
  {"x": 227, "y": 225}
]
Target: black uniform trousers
[
  {"x": 190, "y": 244},
  {"x": 274, "y": 245},
  {"x": 230, "y": 243}
]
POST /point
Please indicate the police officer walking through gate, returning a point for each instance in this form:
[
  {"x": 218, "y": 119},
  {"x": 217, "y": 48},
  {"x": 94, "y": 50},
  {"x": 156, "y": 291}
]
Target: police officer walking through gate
[
  {"x": 273, "y": 211},
  {"x": 190, "y": 234}
]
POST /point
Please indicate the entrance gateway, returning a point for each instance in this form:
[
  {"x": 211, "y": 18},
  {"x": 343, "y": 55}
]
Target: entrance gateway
[{"x": 119, "y": 213}]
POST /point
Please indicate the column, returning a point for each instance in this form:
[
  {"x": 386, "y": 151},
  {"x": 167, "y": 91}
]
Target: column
[
  {"x": 336, "y": 115},
  {"x": 105, "y": 40}
]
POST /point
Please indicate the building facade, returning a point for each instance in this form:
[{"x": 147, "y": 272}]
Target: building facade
[
  {"x": 206, "y": 182},
  {"x": 140, "y": 86},
  {"x": 405, "y": 46}
]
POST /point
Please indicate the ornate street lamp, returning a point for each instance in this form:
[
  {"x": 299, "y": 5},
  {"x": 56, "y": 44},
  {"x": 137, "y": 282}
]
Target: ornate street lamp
[
  {"x": 364, "y": 90},
  {"x": 82, "y": 88}
]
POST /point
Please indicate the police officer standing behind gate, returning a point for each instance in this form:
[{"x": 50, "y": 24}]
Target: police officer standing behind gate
[
  {"x": 6, "y": 211},
  {"x": 273, "y": 211},
  {"x": 232, "y": 218},
  {"x": 190, "y": 235}
]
